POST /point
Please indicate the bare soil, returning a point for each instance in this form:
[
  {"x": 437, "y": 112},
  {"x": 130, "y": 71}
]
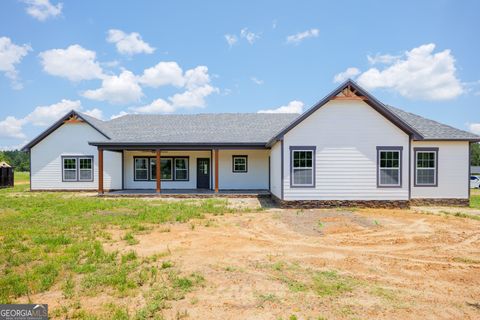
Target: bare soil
[{"x": 335, "y": 264}]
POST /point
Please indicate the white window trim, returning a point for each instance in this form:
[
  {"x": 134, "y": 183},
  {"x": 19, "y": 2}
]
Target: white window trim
[
  {"x": 398, "y": 150},
  {"x": 246, "y": 164},
  {"x": 135, "y": 168},
  {"x": 434, "y": 169},
  {"x": 80, "y": 169},
  {"x": 171, "y": 169},
  {"x": 293, "y": 184},
  {"x": 175, "y": 169},
  {"x": 74, "y": 170}
]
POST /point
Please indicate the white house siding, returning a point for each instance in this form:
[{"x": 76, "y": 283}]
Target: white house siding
[
  {"x": 346, "y": 135},
  {"x": 71, "y": 139},
  {"x": 255, "y": 178},
  {"x": 128, "y": 170},
  {"x": 275, "y": 170},
  {"x": 453, "y": 179}
]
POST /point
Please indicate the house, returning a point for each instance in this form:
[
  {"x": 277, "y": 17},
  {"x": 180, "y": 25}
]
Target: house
[{"x": 348, "y": 149}]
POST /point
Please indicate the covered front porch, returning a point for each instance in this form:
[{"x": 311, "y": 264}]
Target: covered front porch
[
  {"x": 187, "y": 193},
  {"x": 193, "y": 171}
]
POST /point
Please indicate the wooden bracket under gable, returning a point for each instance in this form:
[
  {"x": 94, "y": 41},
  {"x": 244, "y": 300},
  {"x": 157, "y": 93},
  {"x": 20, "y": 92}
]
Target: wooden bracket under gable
[
  {"x": 73, "y": 119},
  {"x": 349, "y": 93}
]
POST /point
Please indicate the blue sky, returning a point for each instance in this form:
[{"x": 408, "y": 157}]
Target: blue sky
[{"x": 108, "y": 58}]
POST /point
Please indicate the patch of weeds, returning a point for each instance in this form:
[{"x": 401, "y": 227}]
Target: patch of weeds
[
  {"x": 376, "y": 222},
  {"x": 129, "y": 256},
  {"x": 194, "y": 301},
  {"x": 466, "y": 260},
  {"x": 167, "y": 264},
  {"x": 192, "y": 226},
  {"x": 292, "y": 317},
  {"x": 385, "y": 294},
  {"x": 130, "y": 239},
  {"x": 231, "y": 269},
  {"x": 329, "y": 283},
  {"x": 164, "y": 229},
  {"x": 186, "y": 283},
  {"x": 266, "y": 297},
  {"x": 293, "y": 285},
  {"x": 68, "y": 288},
  {"x": 181, "y": 315},
  {"x": 320, "y": 224}
]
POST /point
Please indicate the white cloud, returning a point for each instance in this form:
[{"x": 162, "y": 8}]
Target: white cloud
[
  {"x": 294, "y": 106},
  {"x": 382, "y": 59},
  {"x": 128, "y": 44},
  {"x": 164, "y": 73},
  {"x": 74, "y": 63},
  {"x": 197, "y": 77},
  {"x": 193, "y": 98},
  {"x": 474, "y": 127},
  {"x": 157, "y": 106},
  {"x": 118, "y": 115},
  {"x": 43, "y": 9},
  {"x": 231, "y": 39},
  {"x": 418, "y": 74},
  {"x": 121, "y": 89},
  {"x": 10, "y": 55},
  {"x": 347, "y": 74},
  {"x": 95, "y": 112},
  {"x": 299, "y": 37},
  {"x": 257, "y": 81},
  {"x": 12, "y": 127},
  {"x": 14, "y": 147},
  {"x": 251, "y": 37},
  {"x": 46, "y": 115}
]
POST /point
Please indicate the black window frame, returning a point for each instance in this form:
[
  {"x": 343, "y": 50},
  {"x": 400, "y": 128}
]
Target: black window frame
[
  {"x": 398, "y": 149},
  {"x": 233, "y": 163},
  {"x": 415, "y": 168},
  {"x": 77, "y": 167},
  {"x": 313, "y": 150},
  {"x": 149, "y": 168}
]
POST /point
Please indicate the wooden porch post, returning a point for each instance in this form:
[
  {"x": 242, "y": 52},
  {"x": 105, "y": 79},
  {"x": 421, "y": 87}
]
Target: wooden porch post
[
  {"x": 100, "y": 170},
  {"x": 216, "y": 170},
  {"x": 158, "y": 171}
]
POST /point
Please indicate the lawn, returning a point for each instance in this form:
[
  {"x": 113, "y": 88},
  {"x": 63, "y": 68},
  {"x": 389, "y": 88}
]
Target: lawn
[
  {"x": 104, "y": 258},
  {"x": 56, "y": 240}
]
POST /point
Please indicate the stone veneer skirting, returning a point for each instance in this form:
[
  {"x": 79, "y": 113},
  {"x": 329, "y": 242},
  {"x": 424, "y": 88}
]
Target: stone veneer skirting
[
  {"x": 440, "y": 202},
  {"x": 388, "y": 204}
]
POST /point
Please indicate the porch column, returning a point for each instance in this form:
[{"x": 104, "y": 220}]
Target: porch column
[
  {"x": 100, "y": 171},
  {"x": 158, "y": 171},
  {"x": 216, "y": 170}
]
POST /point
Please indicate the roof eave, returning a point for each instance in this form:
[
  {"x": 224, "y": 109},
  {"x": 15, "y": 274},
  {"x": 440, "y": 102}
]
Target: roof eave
[{"x": 55, "y": 126}]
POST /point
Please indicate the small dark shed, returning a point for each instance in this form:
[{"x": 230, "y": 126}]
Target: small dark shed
[{"x": 6, "y": 175}]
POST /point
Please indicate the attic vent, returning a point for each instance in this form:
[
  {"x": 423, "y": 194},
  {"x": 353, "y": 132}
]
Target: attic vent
[
  {"x": 73, "y": 119},
  {"x": 349, "y": 93}
]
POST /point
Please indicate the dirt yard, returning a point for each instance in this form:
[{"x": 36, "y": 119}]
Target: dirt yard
[{"x": 318, "y": 264}]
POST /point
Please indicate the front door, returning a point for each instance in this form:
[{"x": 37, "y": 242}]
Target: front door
[{"x": 203, "y": 173}]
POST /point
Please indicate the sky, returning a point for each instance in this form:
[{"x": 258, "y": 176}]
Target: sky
[{"x": 110, "y": 58}]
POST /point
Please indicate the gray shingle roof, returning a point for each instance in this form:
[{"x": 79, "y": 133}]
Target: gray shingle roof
[
  {"x": 194, "y": 128},
  {"x": 430, "y": 129},
  {"x": 237, "y": 127}
]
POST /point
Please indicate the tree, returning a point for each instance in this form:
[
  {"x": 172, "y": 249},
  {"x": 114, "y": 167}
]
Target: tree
[
  {"x": 18, "y": 159},
  {"x": 475, "y": 154}
]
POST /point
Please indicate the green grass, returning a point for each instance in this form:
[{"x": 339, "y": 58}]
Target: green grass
[
  {"x": 475, "y": 198},
  {"x": 54, "y": 238},
  {"x": 21, "y": 177}
]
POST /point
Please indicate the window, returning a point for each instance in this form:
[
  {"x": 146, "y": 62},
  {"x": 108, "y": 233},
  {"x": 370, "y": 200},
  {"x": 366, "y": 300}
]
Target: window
[
  {"x": 166, "y": 169},
  {"x": 70, "y": 169},
  {"x": 389, "y": 166},
  {"x": 153, "y": 168},
  {"x": 77, "y": 168},
  {"x": 86, "y": 169},
  {"x": 171, "y": 169},
  {"x": 239, "y": 163},
  {"x": 302, "y": 161},
  {"x": 141, "y": 168},
  {"x": 426, "y": 160},
  {"x": 181, "y": 169}
]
